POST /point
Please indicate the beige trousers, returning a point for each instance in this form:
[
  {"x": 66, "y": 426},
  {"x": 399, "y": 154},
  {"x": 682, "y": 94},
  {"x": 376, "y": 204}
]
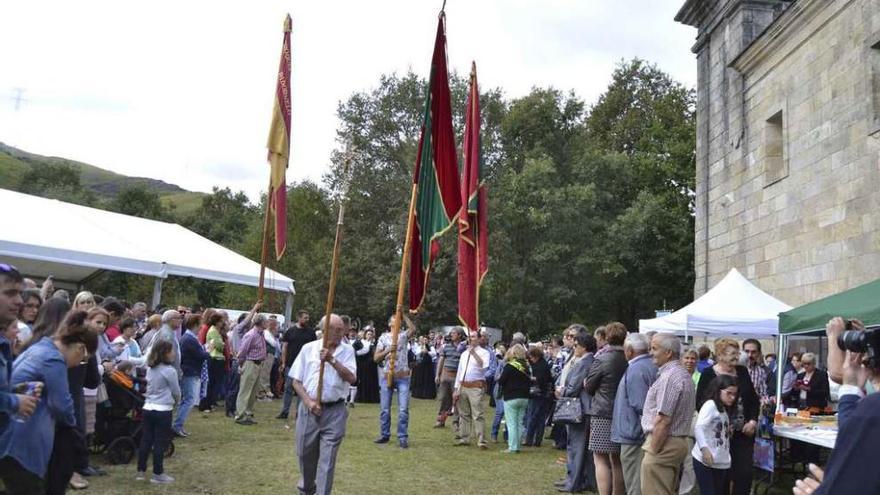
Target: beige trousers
[
  {"x": 470, "y": 414},
  {"x": 661, "y": 470}
]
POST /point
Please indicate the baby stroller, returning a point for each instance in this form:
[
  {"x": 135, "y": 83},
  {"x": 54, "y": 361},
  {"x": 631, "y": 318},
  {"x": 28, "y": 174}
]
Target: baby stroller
[{"x": 118, "y": 425}]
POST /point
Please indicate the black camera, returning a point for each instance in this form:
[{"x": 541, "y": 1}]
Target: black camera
[{"x": 867, "y": 343}]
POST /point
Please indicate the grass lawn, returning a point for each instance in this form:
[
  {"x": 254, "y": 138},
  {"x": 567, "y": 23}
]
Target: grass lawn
[{"x": 223, "y": 458}]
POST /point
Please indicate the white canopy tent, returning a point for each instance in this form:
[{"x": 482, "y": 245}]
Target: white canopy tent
[
  {"x": 74, "y": 243},
  {"x": 733, "y": 307}
]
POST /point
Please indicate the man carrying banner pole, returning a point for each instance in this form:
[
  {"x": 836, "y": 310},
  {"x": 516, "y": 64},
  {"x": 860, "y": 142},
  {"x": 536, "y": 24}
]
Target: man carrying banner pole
[{"x": 435, "y": 199}]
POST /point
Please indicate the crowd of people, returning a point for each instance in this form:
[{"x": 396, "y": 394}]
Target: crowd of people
[
  {"x": 654, "y": 417},
  {"x": 70, "y": 369},
  {"x": 650, "y": 416}
]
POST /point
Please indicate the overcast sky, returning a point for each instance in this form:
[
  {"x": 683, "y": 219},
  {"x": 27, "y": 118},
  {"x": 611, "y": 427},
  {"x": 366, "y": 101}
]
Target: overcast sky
[{"x": 182, "y": 91}]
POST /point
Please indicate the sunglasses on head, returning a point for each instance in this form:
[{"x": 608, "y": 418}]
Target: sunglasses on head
[{"x": 7, "y": 268}]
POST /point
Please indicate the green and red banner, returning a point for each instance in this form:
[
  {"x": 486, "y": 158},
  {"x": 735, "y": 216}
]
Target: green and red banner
[
  {"x": 279, "y": 145},
  {"x": 438, "y": 196},
  {"x": 473, "y": 232}
]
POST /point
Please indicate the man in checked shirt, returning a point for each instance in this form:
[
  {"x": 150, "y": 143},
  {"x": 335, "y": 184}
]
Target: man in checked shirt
[
  {"x": 669, "y": 409},
  {"x": 759, "y": 373}
]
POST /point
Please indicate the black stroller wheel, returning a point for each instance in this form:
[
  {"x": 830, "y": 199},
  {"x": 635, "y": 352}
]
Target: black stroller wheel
[
  {"x": 169, "y": 451},
  {"x": 120, "y": 450}
]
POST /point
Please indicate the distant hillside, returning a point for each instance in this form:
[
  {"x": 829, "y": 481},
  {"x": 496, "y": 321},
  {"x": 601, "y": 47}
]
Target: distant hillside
[{"x": 14, "y": 163}]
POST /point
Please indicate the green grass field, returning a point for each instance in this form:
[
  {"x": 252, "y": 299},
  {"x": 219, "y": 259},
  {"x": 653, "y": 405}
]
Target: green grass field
[
  {"x": 185, "y": 203},
  {"x": 223, "y": 458}
]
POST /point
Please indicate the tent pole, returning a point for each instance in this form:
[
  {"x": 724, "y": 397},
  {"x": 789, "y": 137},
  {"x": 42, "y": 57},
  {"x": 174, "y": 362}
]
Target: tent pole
[
  {"x": 288, "y": 308},
  {"x": 781, "y": 361},
  {"x": 157, "y": 292}
]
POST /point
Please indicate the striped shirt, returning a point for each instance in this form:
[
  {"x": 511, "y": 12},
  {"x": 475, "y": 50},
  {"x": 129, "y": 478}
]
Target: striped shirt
[
  {"x": 451, "y": 354},
  {"x": 253, "y": 346},
  {"x": 672, "y": 395},
  {"x": 758, "y": 374}
]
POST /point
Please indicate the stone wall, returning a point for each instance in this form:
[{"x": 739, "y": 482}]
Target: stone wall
[{"x": 788, "y": 109}]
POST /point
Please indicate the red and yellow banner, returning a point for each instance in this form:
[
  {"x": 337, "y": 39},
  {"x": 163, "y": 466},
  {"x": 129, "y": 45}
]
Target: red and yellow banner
[{"x": 279, "y": 145}]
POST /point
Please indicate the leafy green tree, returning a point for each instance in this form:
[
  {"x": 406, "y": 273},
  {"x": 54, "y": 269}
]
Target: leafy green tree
[
  {"x": 383, "y": 126},
  {"x": 59, "y": 181},
  {"x": 224, "y": 217},
  {"x": 645, "y": 192},
  {"x": 138, "y": 201},
  {"x": 310, "y": 234}
]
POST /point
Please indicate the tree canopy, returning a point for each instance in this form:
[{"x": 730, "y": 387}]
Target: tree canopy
[{"x": 590, "y": 208}]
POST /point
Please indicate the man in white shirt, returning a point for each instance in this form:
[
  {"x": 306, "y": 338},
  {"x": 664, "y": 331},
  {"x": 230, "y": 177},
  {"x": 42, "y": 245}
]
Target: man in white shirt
[
  {"x": 320, "y": 421},
  {"x": 470, "y": 386}
]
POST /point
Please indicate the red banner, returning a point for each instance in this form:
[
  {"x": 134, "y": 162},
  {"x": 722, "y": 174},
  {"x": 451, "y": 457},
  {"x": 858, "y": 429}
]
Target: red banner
[{"x": 473, "y": 232}]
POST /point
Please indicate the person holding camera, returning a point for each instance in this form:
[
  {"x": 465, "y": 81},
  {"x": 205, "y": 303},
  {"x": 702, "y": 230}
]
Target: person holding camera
[{"x": 852, "y": 465}]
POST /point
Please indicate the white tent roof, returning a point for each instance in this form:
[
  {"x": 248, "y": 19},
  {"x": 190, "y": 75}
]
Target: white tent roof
[
  {"x": 72, "y": 242},
  {"x": 733, "y": 307}
]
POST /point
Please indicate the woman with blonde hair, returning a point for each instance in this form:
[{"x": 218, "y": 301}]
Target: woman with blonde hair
[
  {"x": 84, "y": 301},
  {"x": 515, "y": 381}
]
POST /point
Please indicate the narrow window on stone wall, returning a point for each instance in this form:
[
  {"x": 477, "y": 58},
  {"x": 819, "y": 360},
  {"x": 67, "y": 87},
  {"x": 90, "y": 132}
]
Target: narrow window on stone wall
[
  {"x": 775, "y": 161},
  {"x": 874, "y": 67}
]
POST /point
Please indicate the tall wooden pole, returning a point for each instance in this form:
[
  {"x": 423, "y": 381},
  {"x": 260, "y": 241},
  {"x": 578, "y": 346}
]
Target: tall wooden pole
[
  {"x": 401, "y": 285},
  {"x": 264, "y": 256},
  {"x": 331, "y": 290}
]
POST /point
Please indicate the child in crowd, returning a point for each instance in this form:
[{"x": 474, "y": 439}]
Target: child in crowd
[
  {"x": 163, "y": 392},
  {"x": 712, "y": 433}
]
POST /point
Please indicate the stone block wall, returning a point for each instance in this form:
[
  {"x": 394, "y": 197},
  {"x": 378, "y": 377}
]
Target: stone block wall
[{"x": 788, "y": 178}]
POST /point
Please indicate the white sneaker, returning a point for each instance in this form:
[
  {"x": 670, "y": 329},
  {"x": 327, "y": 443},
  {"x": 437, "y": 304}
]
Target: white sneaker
[
  {"x": 161, "y": 479},
  {"x": 141, "y": 476}
]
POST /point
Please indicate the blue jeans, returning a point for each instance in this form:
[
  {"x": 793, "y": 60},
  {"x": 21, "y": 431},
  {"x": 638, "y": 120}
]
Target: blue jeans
[
  {"x": 402, "y": 387},
  {"x": 231, "y": 393},
  {"x": 536, "y": 421},
  {"x": 189, "y": 396},
  {"x": 289, "y": 393},
  {"x": 499, "y": 413}
]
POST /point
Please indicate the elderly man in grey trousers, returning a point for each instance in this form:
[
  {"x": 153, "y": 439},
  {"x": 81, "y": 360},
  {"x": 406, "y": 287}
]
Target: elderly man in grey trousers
[
  {"x": 581, "y": 473},
  {"x": 626, "y": 427},
  {"x": 320, "y": 421}
]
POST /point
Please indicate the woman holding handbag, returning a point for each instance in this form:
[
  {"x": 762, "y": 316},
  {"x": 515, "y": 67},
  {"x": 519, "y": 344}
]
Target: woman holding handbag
[
  {"x": 515, "y": 381},
  {"x": 581, "y": 474}
]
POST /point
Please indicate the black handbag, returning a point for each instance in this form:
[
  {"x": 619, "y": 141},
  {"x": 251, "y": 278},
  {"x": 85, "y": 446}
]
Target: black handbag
[{"x": 569, "y": 410}]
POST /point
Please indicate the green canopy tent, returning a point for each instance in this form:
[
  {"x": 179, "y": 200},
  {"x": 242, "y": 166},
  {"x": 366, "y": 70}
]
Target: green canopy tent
[{"x": 860, "y": 303}]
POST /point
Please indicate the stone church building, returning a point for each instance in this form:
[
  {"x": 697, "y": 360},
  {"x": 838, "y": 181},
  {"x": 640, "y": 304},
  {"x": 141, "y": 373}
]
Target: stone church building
[{"x": 788, "y": 134}]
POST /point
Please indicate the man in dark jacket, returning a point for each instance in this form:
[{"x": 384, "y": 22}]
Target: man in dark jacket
[{"x": 581, "y": 473}]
